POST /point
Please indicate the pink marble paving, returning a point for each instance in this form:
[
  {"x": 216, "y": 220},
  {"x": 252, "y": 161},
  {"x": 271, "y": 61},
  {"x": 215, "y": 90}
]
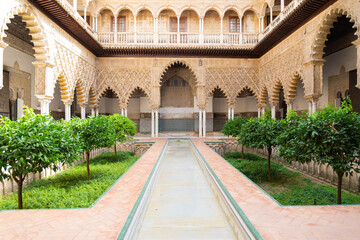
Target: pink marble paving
[
  {"x": 275, "y": 222},
  {"x": 103, "y": 221}
]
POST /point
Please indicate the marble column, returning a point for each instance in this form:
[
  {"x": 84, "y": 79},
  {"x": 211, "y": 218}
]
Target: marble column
[
  {"x": 273, "y": 112},
  {"x": 157, "y": 123},
  {"x": 83, "y": 112},
  {"x": 200, "y": 123},
  {"x": 204, "y": 123},
  {"x": 152, "y": 123},
  {"x": 2, "y": 47},
  {"x": 67, "y": 111}
]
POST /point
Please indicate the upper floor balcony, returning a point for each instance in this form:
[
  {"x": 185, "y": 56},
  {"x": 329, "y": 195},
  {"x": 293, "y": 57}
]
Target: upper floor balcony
[{"x": 169, "y": 26}]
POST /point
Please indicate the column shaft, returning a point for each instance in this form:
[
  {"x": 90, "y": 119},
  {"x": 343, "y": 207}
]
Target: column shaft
[
  {"x": 232, "y": 113},
  {"x": 67, "y": 112},
  {"x": 229, "y": 114},
  {"x": 125, "y": 112},
  {"x": 152, "y": 123},
  {"x": 204, "y": 123},
  {"x": 93, "y": 112},
  {"x": 273, "y": 112},
  {"x": 157, "y": 123},
  {"x": 83, "y": 112},
  {"x": 200, "y": 123}
]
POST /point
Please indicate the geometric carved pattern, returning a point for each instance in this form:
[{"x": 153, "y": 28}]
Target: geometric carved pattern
[
  {"x": 123, "y": 81},
  {"x": 232, "y": 81}
]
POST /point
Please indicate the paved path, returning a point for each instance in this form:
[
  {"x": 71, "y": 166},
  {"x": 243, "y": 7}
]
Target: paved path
[{"x": 106, "y": 219}]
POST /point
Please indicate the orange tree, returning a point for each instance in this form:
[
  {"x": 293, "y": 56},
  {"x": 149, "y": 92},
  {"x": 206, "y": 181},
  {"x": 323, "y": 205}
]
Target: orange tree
[
  {"x": 32, "y": 143},
  {"x": 94, "y": 132},
  {"x": 124, "y": 129},
  {"x": 261, "y": 133},
  {"x": 233, "y": 128},
  {"x": 329, "y": 136}
]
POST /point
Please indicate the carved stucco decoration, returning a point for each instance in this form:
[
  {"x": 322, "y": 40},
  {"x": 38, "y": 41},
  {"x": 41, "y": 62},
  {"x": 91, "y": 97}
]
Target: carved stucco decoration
[
  {"x": 280, "y": 72},
  {"x": 123, "y": 81},
  {"x": 232, "y": 81},
  {"x": 36, "y": 31},
  {"x": 79, "y": 74}
]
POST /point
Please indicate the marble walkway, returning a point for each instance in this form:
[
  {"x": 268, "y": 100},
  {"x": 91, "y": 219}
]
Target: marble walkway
[{"x": 107, "y": 217}]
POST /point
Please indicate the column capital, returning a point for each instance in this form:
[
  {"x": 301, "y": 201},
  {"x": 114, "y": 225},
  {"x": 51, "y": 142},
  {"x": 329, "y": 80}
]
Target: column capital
[
  {"x": 315, "y": 62},
  {"x": 313, "y": 97}
]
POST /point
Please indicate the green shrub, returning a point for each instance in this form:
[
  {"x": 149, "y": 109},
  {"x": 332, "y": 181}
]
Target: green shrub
[{"x": 70, "y": 189}]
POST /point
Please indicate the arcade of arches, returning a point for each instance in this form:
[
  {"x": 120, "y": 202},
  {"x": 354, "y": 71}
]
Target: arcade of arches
[{"x": 47, "y": 69}]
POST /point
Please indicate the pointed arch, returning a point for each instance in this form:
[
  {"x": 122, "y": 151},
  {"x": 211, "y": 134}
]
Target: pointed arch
[
  {"x": 38, "y": 36},
  {"x": 226, "y": 94},
  {"x": 129, "y": 94},
  {"x": 172, "y": 63},
  {"x": 276, "y": 91},
  {"x": 80, "y": 92},
  {"x": 263, "y": 95},
  {"x": 103, "y": 90},
  {"x": 64, "y": 87},
  {"x": 92, "y": 97},
  {"x": 251, "y": 90},
  {"x": 326, "y": 24},
  {"x": 292, "y": 89}
]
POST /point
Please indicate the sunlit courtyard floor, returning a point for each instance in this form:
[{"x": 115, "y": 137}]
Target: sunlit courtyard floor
[{"x": 107, "y": 217}]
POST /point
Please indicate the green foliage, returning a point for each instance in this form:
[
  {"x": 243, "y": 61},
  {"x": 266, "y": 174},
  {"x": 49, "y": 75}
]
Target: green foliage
[
  {"x": 233, "y": 127},
  {"x": 287, "y": 187},
  {"x": 248, "y": 156},
  {"x": 124, "y": 128},
  {"x": 34, "y": 142},
  {"x": 69, "y": 189},
  {"x": 331, "y": 136},
  {"x": 260, "y": 132},
  {"x": 255, "y": 167},
  {"x": 94, "y": 132}
]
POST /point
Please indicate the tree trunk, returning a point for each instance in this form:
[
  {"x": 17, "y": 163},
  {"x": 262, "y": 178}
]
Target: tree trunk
[
  {"x": 269, "y": 157},
  {"x": 340, "y": 176},
  {"x": 115, "y": 150},
  {"x": 19, "y": 184},
  {"x": 87, "y": 165},
  {"x": 242, "y": 151}
]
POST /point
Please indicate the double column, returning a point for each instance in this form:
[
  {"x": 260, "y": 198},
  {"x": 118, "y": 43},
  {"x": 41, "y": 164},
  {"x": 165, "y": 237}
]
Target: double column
[
  {"x": 124, "y": 112},
  {"x": 155, "y": 123},
  {"x": 231, "y": 114},
  {"x": 202, "y": 122}
]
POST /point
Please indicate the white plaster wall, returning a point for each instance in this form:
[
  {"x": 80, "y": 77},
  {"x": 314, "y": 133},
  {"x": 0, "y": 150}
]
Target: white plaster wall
[
  {"x": 220, "y": 105},
  {"x": 109, "y": 105},
  {"x": 56, "y": 104},
  {"x": 346, "y": 58},
  {"x": 145, "y": 105},
  {"x": 12, "y": 55},
  {"x": 134, "y": 105},
  {"x": 246, "y": 104},
  {"x": 300, "y": 103}
]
